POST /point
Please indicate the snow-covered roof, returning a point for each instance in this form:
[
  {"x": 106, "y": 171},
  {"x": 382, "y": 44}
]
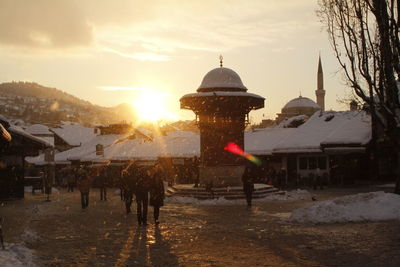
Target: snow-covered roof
[
  {"x": 13, "y": 129},
  {"x": 38, "y": 129},
  {"x": 222, "y": 78},
  {"x": 301, "y": 102},
  {"x": 74, "y": 134},
  {"x": 287, "y": 122},
  {"x": 80, "y": 152},
  {"x": 175, "y": 144},
  {"x": 330, "y": 127},
  {"x": 48, "y": 139},
  {"x": 263, "y": 141}
]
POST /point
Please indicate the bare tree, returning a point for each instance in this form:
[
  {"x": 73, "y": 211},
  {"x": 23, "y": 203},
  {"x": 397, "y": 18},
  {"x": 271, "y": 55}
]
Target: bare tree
[{"x": 364, "y": 35}]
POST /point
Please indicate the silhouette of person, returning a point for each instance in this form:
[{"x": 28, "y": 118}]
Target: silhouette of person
[
  {"x": 248, "y": 185},
  {"x": 157, "y": 192},
  {"x": 142, "y": 176}
]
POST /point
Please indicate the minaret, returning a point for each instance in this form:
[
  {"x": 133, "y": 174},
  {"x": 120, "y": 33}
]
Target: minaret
[{"x": 320, "y": 92}]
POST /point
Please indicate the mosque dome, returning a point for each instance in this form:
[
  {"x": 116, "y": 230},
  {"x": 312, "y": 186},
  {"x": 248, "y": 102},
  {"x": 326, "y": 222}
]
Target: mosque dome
[
  {"x": 221, "y": 79},
  {"x": 301, "y": 102},
  {"x": 298, "y": 106}
]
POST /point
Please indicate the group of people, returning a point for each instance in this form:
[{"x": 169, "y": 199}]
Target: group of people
[
  {"x": 142, "y": 181},
  {"x": 136, "y": 180}
]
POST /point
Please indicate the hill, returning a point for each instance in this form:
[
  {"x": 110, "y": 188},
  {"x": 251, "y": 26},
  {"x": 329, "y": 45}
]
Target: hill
[{"x": 35, "y": 103}]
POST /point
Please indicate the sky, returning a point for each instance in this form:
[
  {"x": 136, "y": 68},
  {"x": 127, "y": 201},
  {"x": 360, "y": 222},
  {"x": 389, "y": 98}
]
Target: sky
[{"x": 128, "y": 51}]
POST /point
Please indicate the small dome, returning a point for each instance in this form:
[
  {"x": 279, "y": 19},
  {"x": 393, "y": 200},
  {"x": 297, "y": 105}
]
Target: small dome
[
  {"x": 301, "y": 102},
  {"x": 221, "y": 78}
]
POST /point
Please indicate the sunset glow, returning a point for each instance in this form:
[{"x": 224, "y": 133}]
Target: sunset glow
[
  {"x": 152, "y": 106},
  {"x": 114, "y": 48}
]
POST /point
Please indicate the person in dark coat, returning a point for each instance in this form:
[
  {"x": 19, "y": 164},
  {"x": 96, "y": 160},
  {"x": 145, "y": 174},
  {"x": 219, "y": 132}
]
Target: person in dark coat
[
  {"x": 70, "y": 181},
  {"x": 102, "y": 178},
  {"x": 84, "y": 187},
  {"x": 142, "y": 177},
  {"x": 157, "y": 192},
  {"x": 248, "y": 185},
  {"x": 128, "y": 185},
  {"x": 195, "y": 171}
]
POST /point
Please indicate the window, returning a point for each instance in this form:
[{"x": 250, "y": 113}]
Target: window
[
  {"x": 312, "y": 163},
  {"x": 322, "y": 163},
  {"x": 303, "y": 163}
]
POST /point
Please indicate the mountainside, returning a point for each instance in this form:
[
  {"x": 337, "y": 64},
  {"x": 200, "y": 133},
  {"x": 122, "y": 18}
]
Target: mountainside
[{"x": 34, "y": 103}]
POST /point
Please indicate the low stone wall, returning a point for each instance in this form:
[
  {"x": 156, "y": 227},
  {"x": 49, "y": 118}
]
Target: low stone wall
[{"x": 221, "y": 175}]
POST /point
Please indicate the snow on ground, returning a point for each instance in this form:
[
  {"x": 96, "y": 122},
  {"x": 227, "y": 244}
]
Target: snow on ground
[
  {"x": 297, "y": 194},
  {"x": 289, "y": 195},
  {"x": 29, "y": 236},
  {"x": 373, "y": 206},
  {"x": 28, "y": 189},
  {"x": 16, "y": 255},
  {"x": 386, "y": 185}
]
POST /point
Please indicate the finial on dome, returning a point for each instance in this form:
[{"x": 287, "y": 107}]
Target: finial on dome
[{"x": 221, "y": 58}]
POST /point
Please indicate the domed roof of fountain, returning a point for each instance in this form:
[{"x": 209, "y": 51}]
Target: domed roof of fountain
[{"x": 221, "y": 79}]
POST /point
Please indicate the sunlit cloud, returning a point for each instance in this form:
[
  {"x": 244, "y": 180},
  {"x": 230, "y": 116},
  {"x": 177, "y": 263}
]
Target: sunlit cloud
[{"x": 142, "y": 56}]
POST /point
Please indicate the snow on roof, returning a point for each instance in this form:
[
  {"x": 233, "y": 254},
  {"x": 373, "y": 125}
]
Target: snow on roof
[
  {"x": 74, "y": 134},
  {"x": 80, "y": 152},
  {"x": 286, "y": 122},
  {"x": 48, "y": 139},
  {"x": 222, "y": 78},
  {"x": 301, "y": 102},
  {"x": 356, "y": 130},
  {"x": 341, "y": 128},
  {"x": 175, "y": 144},
  {"x": 221, "y": 93},
  {"x": 38, "y": 129},
  {"x": 263, "y": 141},
  {"x": 13, "y": 129},
  {"x": 332, "y": 127}
]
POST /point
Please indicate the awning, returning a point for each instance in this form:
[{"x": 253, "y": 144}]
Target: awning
[{"x": 344, "y": 150}]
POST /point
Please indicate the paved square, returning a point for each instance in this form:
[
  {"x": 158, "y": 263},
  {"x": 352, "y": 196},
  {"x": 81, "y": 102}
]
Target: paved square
[{"x": 61, "y": 234}]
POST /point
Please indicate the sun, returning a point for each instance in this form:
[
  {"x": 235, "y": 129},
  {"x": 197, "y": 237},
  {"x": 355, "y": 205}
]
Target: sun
[{"x": 152, "y": 106}]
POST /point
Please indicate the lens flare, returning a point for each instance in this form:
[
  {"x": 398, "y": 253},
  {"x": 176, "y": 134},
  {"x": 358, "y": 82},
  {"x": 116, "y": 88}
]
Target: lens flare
[{"x": 235, "y": 149}]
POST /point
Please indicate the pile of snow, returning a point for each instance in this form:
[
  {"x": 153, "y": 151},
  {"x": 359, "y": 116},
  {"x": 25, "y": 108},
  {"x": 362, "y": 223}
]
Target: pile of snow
[
  {"x": 28, "y": 189},
  {"x": 374, "y": 206},
  {"x": 29, "y": 236},
  {"x": 16, "y": 255}
]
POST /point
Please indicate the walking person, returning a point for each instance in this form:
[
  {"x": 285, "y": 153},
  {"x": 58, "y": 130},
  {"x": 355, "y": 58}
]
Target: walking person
[
  {"x": 84, "y": 187},
  {"x": 128, "y": 185},
  {"x": 102, "y": 178},
  {"x": 248, "y": 184},
  {"x": 71, "y": 180},
  {"x": 142, "y": 176},
  {"x": 157, "y": 192},
  {"x": 195, "y": 172}
]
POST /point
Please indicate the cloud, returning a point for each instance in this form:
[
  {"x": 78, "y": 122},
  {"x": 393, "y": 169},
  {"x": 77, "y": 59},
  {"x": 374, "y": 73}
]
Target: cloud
[
  {"x": 149, "y": 30},
  {"x": 142, "y": 56},
  {"x": 43, "y": 24}
]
